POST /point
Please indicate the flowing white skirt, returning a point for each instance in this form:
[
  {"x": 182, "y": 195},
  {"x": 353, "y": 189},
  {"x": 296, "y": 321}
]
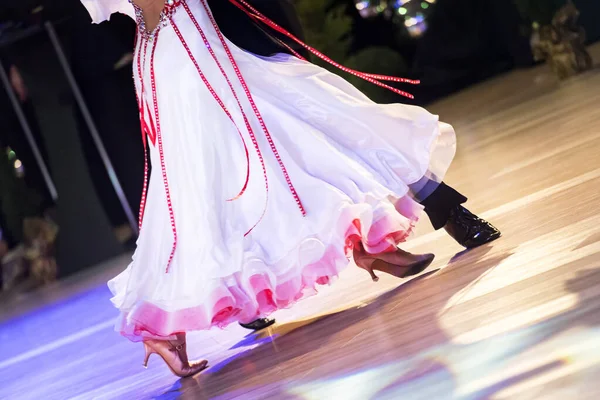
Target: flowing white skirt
[{"x": 351, "y": 161}]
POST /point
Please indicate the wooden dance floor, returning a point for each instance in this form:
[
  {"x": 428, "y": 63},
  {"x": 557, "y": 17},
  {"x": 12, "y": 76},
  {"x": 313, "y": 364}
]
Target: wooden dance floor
[{"x": 518, "y": 319}]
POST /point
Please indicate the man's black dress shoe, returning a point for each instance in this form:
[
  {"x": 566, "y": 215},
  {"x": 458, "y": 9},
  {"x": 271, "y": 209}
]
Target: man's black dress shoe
[
  {"x": 469, "y": 230},
  {"x": 259, "y": 324}
]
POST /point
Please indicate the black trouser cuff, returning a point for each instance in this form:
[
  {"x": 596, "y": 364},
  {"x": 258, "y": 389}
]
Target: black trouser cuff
[{"x": 440, "y": 203}]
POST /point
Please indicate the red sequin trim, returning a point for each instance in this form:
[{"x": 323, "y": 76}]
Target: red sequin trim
[{"x": 143, "y": 44}]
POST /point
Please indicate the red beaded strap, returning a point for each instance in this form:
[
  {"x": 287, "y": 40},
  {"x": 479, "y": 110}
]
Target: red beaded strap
[
  {"x": 253, "y": 105},
  {"x": 155, "y": 134},
  {"x": 144, "y": 127},
  {"x": 161, "y": 152},
  {"x": 372, "y": 78}
]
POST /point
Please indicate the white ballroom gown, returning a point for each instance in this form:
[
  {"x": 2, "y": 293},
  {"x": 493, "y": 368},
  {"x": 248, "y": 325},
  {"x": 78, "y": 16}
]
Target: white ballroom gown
[{"x": 221, "y": 240}]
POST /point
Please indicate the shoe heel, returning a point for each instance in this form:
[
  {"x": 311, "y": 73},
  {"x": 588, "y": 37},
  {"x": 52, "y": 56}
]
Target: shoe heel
[
  {"x": 369, "y": 269},
  {"x": 374, "y": 277},
  {"x": 149, "y": 352}
]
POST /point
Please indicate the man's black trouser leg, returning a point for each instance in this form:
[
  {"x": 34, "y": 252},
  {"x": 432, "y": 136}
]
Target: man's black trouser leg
[{"x": 440, "y": 202}]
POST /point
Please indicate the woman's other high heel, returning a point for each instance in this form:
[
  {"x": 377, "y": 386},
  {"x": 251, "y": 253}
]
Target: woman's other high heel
[
  {"x": 399, "y": 263},
  {"x": 174, "y": 354}
]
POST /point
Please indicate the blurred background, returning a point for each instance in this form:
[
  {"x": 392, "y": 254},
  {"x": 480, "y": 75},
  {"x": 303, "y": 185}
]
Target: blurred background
[{"x": 71, "y": 159}]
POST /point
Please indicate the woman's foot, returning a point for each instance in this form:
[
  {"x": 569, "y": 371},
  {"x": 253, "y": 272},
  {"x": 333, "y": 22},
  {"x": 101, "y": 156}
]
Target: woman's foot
[
  {"x": 399, "y": 263},
  {"x": 174, "y": 354}
]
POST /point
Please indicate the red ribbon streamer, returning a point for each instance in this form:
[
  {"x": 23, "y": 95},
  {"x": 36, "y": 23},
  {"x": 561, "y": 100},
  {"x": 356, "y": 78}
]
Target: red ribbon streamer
[
  {"x": 372, "y": 78},
  {"x": 144, "y": 126}
]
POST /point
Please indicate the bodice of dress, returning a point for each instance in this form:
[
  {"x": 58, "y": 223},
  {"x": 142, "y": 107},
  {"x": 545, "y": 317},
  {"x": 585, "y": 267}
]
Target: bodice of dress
[
  {"x": 101, "y": 10},
  {"x": 167, "y": 13}
]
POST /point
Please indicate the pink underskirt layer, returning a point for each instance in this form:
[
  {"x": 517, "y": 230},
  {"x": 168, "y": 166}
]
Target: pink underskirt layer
[{"x": 243, "y": 299}]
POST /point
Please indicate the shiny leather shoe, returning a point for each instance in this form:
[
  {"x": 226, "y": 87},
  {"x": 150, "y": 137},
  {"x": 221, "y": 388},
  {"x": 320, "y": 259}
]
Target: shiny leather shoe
[
  {"x": 259, "y": 324},
  {"x": 469, "y": 230}
]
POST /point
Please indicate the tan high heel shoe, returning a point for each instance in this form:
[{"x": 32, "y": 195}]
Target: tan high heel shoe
[
  {"x": 174, "y": 354},
  {"x": 400, "y": 263}
]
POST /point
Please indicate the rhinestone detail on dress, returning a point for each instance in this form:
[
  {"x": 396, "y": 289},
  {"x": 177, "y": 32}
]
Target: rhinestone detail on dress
[{"x": 165, "y": 17}]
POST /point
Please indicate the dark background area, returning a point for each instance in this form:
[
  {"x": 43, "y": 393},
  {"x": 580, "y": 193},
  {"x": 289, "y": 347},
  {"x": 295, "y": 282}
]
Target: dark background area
[{"x": 467, "y": 41}]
